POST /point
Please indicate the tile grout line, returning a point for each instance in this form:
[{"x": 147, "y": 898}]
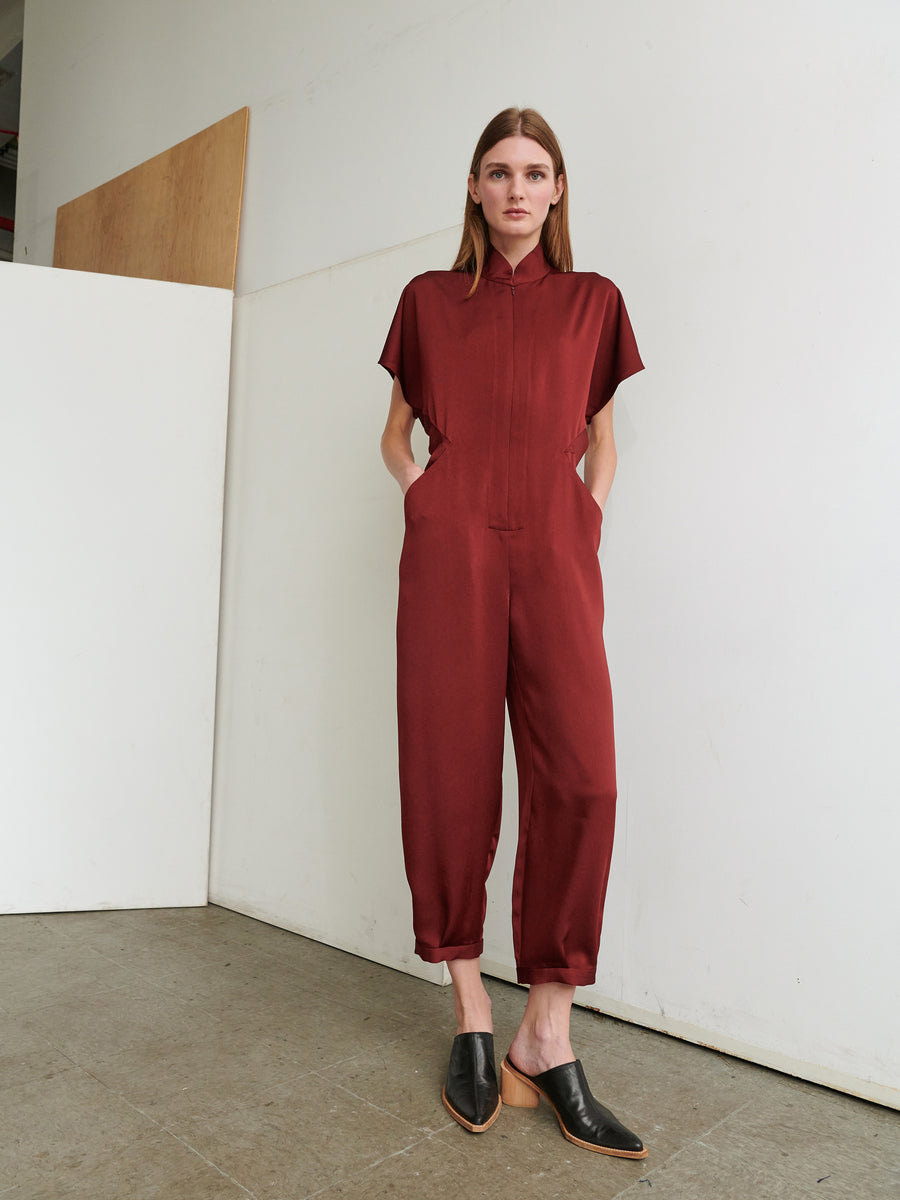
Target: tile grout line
[
  {"x": 269, "y": 960},
  {"x": 164, "y": 1129},
  {"x": 262, "y": 1040},
  {"x": 721, "y": 1121},
  {"x": 136, "y": 977},
  {"x": 687, "y": 1146},
  {"x": 209, "y": 1162},
  {"x": 646, "y": 1174},
  {"x": 352, "y": 1057},
  {"x": 161, "y": 1128},
  {"x": 383, "y": 1111},
  {"x": 366, "y": 1169}
]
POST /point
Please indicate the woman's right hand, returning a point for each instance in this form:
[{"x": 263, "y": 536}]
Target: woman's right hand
[{"x": 412, "y": 477}]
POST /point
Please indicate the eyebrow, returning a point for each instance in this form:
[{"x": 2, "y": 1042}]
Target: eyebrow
[{"x": 531, "y": 166}]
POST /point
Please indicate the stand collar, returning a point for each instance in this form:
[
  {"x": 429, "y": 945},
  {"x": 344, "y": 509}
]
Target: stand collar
[{"x": 533, "y": 266}]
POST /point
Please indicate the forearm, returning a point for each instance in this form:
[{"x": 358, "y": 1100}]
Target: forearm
[
  {"x": 600, "y": 457},
  {"x": 600, "y": 467},
  {"x": 396, "y": 441},
  {"x": 396, "y": 451}
]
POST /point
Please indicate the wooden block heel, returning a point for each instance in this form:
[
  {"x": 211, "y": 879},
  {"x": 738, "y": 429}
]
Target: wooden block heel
[{"x": 515, "y": 1091}]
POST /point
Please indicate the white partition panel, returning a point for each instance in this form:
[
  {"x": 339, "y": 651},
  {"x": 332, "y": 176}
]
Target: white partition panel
[{"x": 113, "y": 408}]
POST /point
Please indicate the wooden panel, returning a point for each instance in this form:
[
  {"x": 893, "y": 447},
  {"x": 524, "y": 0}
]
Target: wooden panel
[{"x": 174, "y": 217}]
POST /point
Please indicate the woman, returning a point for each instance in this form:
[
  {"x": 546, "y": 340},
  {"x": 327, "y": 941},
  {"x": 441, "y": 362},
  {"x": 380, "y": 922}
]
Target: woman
[{"x": 510, "y": 361}]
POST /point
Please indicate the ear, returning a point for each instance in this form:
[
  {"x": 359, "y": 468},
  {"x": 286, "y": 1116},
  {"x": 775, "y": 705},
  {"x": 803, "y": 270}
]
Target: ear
[
  {"x": 473, "y": 189},
  {"x": 560, "y": 188}
]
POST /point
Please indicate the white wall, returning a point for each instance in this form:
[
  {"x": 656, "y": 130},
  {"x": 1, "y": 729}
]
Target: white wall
[
  {"x": 113, "y": 415},
  {"x": 734, "y": 169},
  {"x": 306, "y": 723}
]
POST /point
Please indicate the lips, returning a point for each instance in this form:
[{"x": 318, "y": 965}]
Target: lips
[{"x": 515, "y": 212}]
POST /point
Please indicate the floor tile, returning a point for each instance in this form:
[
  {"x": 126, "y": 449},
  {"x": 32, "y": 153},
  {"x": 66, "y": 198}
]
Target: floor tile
[
  {"x": 248, "y": 931},
  {"x": 203, "y": 968},
  {"x": 427, "y": 1169},
  {"x": 387, "y": 991},
  {"x": 29, "y": 1185},
  {"x": 153, "y": 1166},
  {"x": 97, "y": 1026},
  {"x": 295, "y": 1139},
  {"x": 404, "y": 1078},
  {"x": 199, "y": 1067},
  {"x": 201, "y": 1054},
  {"x": 850, "y": 1144},
  {"x": 700, "y": 1173},
  {"x": 54, "y": 973},
  {"x": 156, "y": 921},
  {"x": 30, "y": 932},
  {"x": 26, "y": 1055},
  {"x": 318, "y": 1034},
  {"x": 524, "y": 1156},
  {"x": 66, "y": 1122}
]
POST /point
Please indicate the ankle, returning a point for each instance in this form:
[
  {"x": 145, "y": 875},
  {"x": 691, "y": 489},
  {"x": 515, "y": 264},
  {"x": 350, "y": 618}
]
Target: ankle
[
  {"x": 473, "y": 1014},
  {"x": 541, "y": 1044},
  {"x": 544, "y": 1030}
]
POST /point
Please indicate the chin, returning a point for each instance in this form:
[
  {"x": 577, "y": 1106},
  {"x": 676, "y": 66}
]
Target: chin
[{"x": 516, "y": 229}]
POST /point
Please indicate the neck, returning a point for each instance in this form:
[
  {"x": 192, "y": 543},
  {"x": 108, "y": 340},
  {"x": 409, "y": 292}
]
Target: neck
[{"x": 514, "y": 249}]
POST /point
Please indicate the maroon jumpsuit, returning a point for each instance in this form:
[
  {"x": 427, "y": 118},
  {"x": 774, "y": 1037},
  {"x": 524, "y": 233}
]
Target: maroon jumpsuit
[{"x": 501, "y": 600}]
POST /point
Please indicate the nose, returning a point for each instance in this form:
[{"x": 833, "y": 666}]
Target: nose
[{"x": 516, "y": 189}]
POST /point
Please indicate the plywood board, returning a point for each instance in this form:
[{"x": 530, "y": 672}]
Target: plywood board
[{"x": 174, "y": 217}]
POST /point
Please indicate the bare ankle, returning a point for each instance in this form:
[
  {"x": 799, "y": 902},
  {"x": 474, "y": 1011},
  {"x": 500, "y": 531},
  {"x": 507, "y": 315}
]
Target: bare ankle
[
  {"x": 473, "y": 1015},
  {"x": 542, "y": 1040},
  {"x": 533, "y": 1055},
  {"x": 473, "y": 1004},
  {"x": 545, "y": 1030}
]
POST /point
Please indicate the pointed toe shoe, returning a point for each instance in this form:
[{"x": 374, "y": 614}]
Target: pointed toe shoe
[
  {"x": 582, "y": 1119},
  {"x": 471, "y": 1095}
]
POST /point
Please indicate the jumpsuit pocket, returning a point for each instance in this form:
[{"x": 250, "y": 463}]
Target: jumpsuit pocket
[
  {"x": 587, "y": 495},
  {"x": 418, "y": 482}
]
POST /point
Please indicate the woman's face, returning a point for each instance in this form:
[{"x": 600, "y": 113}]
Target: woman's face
[{"x": 515, "y": 188}]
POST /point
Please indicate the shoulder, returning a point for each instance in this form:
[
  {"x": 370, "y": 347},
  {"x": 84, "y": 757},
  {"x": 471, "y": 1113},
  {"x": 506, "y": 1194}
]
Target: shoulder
[
  {"x": 438, "y": 283},
  {"x": 589, "y": 282},
  {"x": 430, "y": 294}
]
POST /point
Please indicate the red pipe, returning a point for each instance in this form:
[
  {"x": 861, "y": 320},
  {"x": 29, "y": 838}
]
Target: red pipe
[{"x": 11, "y": 132}]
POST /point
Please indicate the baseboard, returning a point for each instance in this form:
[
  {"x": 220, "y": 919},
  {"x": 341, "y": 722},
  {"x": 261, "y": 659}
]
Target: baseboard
[{"x": 865, "y": 1089}]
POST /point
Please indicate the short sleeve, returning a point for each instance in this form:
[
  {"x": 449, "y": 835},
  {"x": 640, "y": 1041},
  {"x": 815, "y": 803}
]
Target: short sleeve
[
  {"x": 617, "y": 354},
  {"x": 393, "y": 358}
]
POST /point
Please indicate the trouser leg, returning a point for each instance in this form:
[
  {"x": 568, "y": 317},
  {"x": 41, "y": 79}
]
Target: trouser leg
[
  {"x": 561, "y": 716},
  {"x": 452, "y": 640}
]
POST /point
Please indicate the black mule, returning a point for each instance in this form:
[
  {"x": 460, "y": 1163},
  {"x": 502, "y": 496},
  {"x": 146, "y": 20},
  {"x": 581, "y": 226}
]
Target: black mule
[
  {"x": 471, "y": 1095},
  {"x": 582, "y": 1119}
]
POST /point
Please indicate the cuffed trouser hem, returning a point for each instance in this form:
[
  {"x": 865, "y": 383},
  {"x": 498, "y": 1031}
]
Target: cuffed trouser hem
[
  {"x": 436, "y": 954},
  {"x": 580, "y": 976}
]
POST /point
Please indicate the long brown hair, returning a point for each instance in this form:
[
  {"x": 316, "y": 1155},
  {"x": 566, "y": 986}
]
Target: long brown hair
[{"x": 555, "y": 240}]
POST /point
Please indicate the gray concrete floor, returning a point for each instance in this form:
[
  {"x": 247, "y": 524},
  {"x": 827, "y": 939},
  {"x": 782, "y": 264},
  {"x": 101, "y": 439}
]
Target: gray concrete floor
[{"x": 196, "y": 1054}]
